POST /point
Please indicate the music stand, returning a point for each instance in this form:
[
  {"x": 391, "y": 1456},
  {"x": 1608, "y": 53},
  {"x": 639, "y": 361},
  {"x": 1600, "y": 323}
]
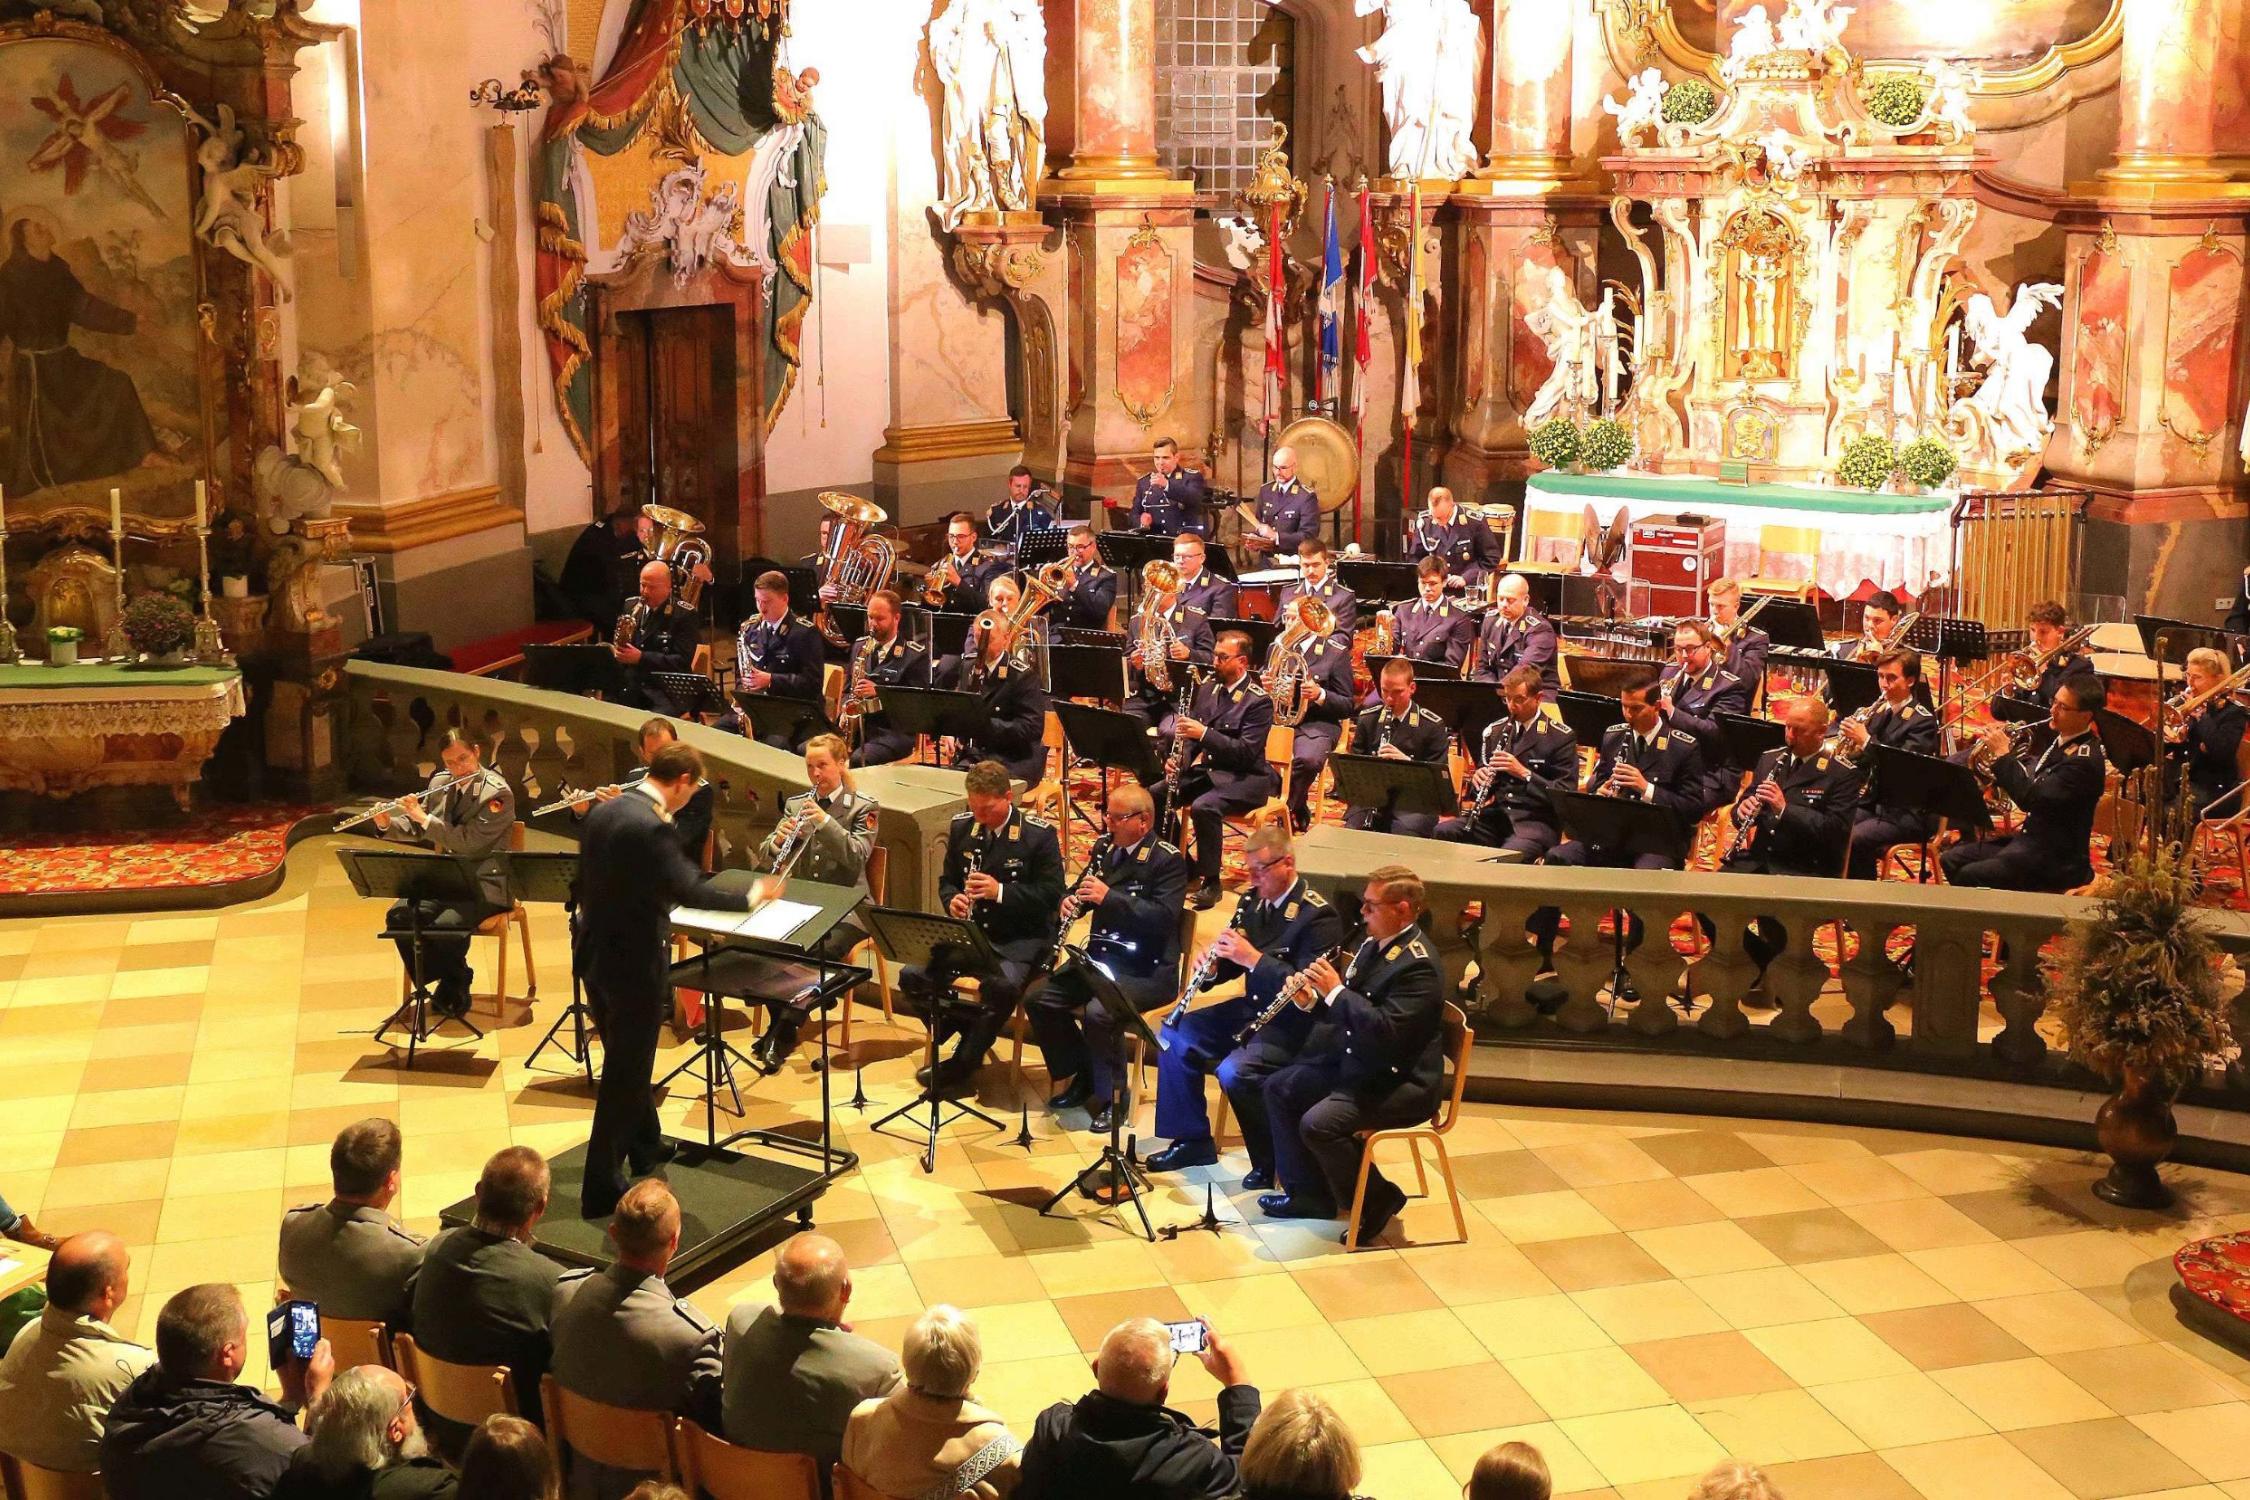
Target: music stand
[
  {"x": 690, "y": 692},
  {"x": 1374, "y": 582},
  {"x": 1108, "y": 640},
  {"x": 581, "y": 670},
  {"x": 1087, "y": 671},
  {"x": 2007, "y": 708},
  {"x": 1113, "y": 1177},
  {"x": 933, "y": 713},
  {"x": 2128, "y": 745},
  {"x": 1040, "y": 545},
  {"x": 1746, "y": 738},
  {"x": 1589, "y": 715},
  {"x": 943, "y": 948},
  {"x": 1929, "y": 784},
  {"x": 1110, "y": 739},
  {"x": 1391, "y": 786},
  {"x": 1128, "y": 551},
  {"x": 1952, "y": 642},
  {"x": 413, "y": 878},
  {"x": 2175, "y": 631},
  {"x": 1467, "y": 707},
  {"x": 1625, "y": 827},
  {"x": 804, "y": 582},
  {"x": 1792, "y": 623},
  {"x": 949, "y": 632},
  {"x": 1607, "y": 676},
  {"x": 1852, "y": 685},
  {"x": 1260, "y": 632},
  {"x": 849, "y": 620},
  {"x": 552, "y": 875},
  {"x": 793, "y": 719}
]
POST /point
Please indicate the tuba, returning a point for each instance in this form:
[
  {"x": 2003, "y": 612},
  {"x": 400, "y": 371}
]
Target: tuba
[
  {"x": 857, "y": 561},
  {"x": 1287, "y": 677},
  {"x": 680, "y": 544},
  {"x": 1153, "y": 634},
  {"x": 1040, "y": 589}
]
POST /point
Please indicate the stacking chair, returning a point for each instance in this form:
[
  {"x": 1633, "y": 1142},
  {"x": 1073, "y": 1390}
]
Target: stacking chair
[
  {"x": 1458, "y": 1039},
  {"x": 712, "y": 1466},
  {"x": 464, "y": 1394},
  {"x": 497, "y": 926},
  {"x": 619, "y": 1437}
]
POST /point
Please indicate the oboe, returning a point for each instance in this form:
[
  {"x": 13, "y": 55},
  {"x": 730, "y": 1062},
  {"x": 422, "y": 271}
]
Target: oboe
[{"x": 1295, "y": 985}]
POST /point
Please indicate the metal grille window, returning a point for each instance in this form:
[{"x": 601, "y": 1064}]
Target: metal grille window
[{"x": 1225, "y": 71}]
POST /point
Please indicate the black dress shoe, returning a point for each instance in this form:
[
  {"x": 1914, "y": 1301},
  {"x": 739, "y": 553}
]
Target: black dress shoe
[
  {"x": 664, "y": 1154},
  {"x": 1074, "y": 1095},
  {"x": 1108, "y": 1115},
  {"x": 1206, "y": 898},
  {"x": 1182, "y": 1154},
  {"x": 1290, "y": 1206},
  {"x": 1257, "y": 1179},
  {"x": 1383, "y": 1203}
]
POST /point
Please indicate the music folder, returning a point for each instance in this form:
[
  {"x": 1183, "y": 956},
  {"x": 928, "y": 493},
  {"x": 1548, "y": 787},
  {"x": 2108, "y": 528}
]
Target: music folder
[
  {"x": 1087, "y": 671},
  {"x": 1397, "y": 786}
]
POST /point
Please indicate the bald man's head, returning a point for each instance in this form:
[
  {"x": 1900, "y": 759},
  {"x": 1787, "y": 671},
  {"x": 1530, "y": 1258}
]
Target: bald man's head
[
  {"x": 88, "y": 1274},
  {"x": 1807, "y": 721},
  {"x": 1135, "y": 1363},
  {"x": 812, "y": 1278}
]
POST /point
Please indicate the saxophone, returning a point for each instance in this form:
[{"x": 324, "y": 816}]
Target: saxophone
[{"x": 848, "y": 712}]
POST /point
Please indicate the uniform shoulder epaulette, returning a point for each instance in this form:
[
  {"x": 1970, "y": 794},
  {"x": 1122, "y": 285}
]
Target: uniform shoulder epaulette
[
  {"x": 1165, "y": 847},
  {"x": 302, "y": 1208},
  {"x": 1619, "y": 728},
  {"x": 1033, "y": 820},
  {"x": 580, "y": 1274},
  {"x": 692, "y": 1315},
  {"x": 961, "y": 817},
  {"x": 1549, "y": 714},
  {"x": 2083, "y": 747},
  {"x": 1419, "y": 713},
  {"x": 400, "y": 1231},
  {"x": 1314, "y": 898},
  {"x": 1418, "y": 949}
]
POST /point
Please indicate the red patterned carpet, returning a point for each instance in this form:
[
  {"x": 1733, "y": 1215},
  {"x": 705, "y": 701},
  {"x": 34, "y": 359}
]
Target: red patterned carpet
[{"x": 223, "y": 846}]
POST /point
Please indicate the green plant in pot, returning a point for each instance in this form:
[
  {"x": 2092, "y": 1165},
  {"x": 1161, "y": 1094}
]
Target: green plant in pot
[
  {"x": 159, "y": 625},
  {"x": 62, "y": 645},
  {"x": 1555, "y": 442},
  {"x": 2143, "y": 993}
]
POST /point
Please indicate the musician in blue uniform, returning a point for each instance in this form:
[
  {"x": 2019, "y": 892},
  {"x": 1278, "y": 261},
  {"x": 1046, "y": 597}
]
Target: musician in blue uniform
[
  {"x": 1464, "y": 544},
  {"x": 1328, "y": 707},
  {"x": 1090, "y": 603},
  {"x": 1318, "y": 581},
  {"x": 1288, "y": 512},
  {"x": 1200, "y": 588},
  {"x": 1515, "y": 635},
  {"x": 780, "y": 655},
  {"x": 1280, "y": 925},
  {"x": 662, "y": 639},
  {"x": 888, "y": 659},
  {"x": 1012, "y": 727},
  {"x": 2048, "y": 629},
  {"x": 1694, "y": 691},
  {"x": 1903, "y": 724},
  {"x": 2058, "y": 789},
  {"x": 1378, "y": 1063},
  {"x": 1878, "y": 630},
  {"x": 2210, "y": 745},
  {"x": 1431, "y": 627},
  {"x": 1526, "y": 750},
  {"x": 1398, "y": 728},
  {"x": 1169, "y": 500},
  {"x": 1003, "y": 871},
  {"x": 1025, "y": 510},
  {"x": 467, "y": 811},
  {"x": 1795, "y": 818},
  {"x": 1746, "y": 645},
  {"x": 1135, "y": 884},
  {"x": 1186, "y": 641},
  {"x": 956, "y": 583},
  {"x": 692, "y": 823},
  {"x": 1220, "y": 743}
]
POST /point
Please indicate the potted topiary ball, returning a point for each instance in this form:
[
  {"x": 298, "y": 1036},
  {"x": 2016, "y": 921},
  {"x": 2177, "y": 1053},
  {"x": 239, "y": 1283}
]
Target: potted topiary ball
[
  {"x": 1867, "y": 462},
  {"x": 1555, "y": 442},
  {"x": 1689, "y": 102},
  {"x": 1927, "y": 461},
  {"x": 160, "y": 627},
  {"x": 1894, "y": 101},
  {"x": 1606, "y": 444}
]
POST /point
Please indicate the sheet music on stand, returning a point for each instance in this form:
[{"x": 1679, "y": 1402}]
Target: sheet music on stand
[
  {"x": 1041, "y": 546},
  {"x": 1375, "y": 583},
  {"x": 690, "y": 692},
  {"x": 1395, "y": 786},
  {"x": 1949, "y": 640},
  {"x": 1083, "y": 671}
]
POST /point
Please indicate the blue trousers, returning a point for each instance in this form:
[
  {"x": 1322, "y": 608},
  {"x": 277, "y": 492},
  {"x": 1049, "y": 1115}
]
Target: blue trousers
[{"x": 1206, "y": 1034}]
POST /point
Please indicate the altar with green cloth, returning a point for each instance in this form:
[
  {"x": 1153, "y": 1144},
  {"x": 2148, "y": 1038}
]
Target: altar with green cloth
[
  {"x": 1833, "y": 536},
  {"x": 66, "y": 730}
]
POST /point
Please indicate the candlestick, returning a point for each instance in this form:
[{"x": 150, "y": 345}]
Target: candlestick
[
  {"x": 210, "y": 645},
  {"x": 115, "y": 647}
]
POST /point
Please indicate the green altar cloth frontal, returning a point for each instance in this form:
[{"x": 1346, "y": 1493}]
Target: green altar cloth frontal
[
  {"x": 1692, "y": 491},
  {"x": 38, "y": 676}
]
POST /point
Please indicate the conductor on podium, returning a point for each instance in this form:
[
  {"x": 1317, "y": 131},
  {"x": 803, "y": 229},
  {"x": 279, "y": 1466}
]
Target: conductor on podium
[{"x": 631, "y": 873}]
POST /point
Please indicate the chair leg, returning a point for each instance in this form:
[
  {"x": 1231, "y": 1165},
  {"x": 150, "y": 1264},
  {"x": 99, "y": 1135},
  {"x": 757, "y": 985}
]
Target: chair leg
[
  {"x": 530, "y": 970},
  {"x": 1421, "y": 1178},
  {"x": 1452, "y": 1190},
  {"x": 1359, "y": 1195},
  {"x": 1219, "y": 1116}
]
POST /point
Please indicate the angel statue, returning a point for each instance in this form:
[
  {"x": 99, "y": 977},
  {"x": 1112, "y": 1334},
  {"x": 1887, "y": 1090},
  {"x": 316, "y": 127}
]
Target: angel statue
[
  {"x": 991, "y": 63},
  {"x": 1784, "y": 157},
  {"x": 1644, "y": 109},
  {"x": 316, "y": 417},
  {"x": 1426, "y": 60},
  {"x": 1811, "y": 26},
  {"x": 1753, "y": 39},
  {"x": 1569, "y": 329},
  {"x": 228, "y": 216},
  {"x": 1950, "y": 83},
  {"x": 2006, "y": 417}
]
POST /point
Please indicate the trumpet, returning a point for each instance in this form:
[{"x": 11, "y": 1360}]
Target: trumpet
[
  {"x": 385, "y": 809},
  {"x": 571, "y": 798}
]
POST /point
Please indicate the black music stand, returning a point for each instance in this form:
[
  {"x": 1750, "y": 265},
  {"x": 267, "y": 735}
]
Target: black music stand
[
  {"x": 794, "y": 719},
  {"x": 2174, "y": 632},
  {"x": 2128, "y": 745},
  {"x": 1041, "y": 545},
  {"x": 1852, "y": 685},
  {"x": 690, "y": 693},
  {"x": 1087, "y": 671},
  {"x": 1391, "y": 786},
  {"x": 582, "y": 670},
  {"x": 1928, "y": 784},
  {"x": 1589, "y": 715},
  {"x": 1792, "y": 624},
  {"x": 1952, "y": 643},
  {"x": 1375, "y": 582},
  {"x": 850, "y": 620},
  {"x": 1107, "y": 640},
  {"x": 1260, "y": 632},
  {"x": 949, "y": 632},
  {"x": 1625, "y": 827},
  {"x": 933, "y": 713},
  {"x": 1605, "y": 676},
  {"x": 2007, "y": 708},
  {"x": 553, "y": 876},
  {"x": 1128, "y": 552},
  {"x": 943, "y": 948},
  {"x": 804, "y": 582},
  {"x": 1746, "y": 738},
  {"x": 413, "y": 878},
  {"x": 1467, "y": 707},
  {"x": 1110, "y": 739},
  {"x": 1113, "y": 1177}
]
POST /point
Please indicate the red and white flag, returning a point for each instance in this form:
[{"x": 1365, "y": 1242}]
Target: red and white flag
[
  {"x": 1277, "y": 368},
  {"x": 1363, "y": 302}
]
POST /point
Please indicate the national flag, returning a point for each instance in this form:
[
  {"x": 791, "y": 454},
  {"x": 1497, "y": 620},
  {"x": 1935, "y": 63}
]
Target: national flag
[
  {"x": 1328, "y": 374},
  {"x": 1410, "y": 383},
  {"x": 1277, "y": 370},
  {"x": 1363, "y": 303}
]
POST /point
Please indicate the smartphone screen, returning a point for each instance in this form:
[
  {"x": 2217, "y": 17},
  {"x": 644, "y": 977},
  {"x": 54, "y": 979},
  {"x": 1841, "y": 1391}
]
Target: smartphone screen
[
  {"x": 1188, "y": 1337},
  {"x": 292, "y": 1332}
]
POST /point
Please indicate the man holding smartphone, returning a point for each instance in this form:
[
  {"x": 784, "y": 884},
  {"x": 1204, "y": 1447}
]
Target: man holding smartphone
[{"x": 1121, "y": 1439}]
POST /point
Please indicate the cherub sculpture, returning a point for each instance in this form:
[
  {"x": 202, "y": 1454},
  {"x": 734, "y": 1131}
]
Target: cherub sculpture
[
  {"x": 2006, "y": 417},
  {"x": 1785, "y": 159},
  {"x": 227, "y": 216},
  {"x": 1950, "y": 83},
  {"x": 316, "y": 416},
  {"x": 1753, "y": 39},
  {"x": 1643, "y": 109},
  {"x": 1568, "y": 328},
  {"x": 1813, "y": 26}
]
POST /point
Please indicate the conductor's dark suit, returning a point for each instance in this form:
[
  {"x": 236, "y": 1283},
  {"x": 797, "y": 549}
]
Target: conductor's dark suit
[{"x": 631, "y": 873}]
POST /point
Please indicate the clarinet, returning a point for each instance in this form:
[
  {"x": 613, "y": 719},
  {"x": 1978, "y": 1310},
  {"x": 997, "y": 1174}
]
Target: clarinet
[
  {"x": 1747, "y": 831},
  {"x": 1175, "y": 759},
  {"x": 1067, "y": 913},
  {"x": 1295, "y": 985},
  {"x": 1631, "y": 756},
  {"x": 1205, "y": 966},
  {"x": 1488, "y": 774}
]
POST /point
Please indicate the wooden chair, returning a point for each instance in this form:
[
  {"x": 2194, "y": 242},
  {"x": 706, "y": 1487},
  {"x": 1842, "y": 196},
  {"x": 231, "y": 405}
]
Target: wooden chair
[
  {"x": 849, "y": 1486},
  {"x": 25, "y": 1480},
  {"x": 710, "y": 1465},
  {"x": 1046, "y": 799},
  {"x": 496, "y": 927},
  {"x": 357, "y": 1341},
  {"x": 618, "y": 1437},
  {"x": 1458, "y": 1039},
  {"x": 465, "y": 1394},
  {"x": 878, "y": 886},
  {"x": 1179, "y": 977}
]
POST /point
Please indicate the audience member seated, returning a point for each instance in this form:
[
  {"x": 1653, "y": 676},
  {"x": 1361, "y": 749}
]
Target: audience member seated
[
  {"x": 1731, "y": 1479},
  {"x": 1299, "y": 1449},
  {"x": 929, "y": 1437},
  {"x": 18, "y": 1227},
  {"x": 348, "y": 1254},
  {"x": 795, "y": 1371},
  {"x": 1121, "y": 1442},
  {"x": 508, "y": 1459},
  {"x": 1510, "y": 1471},
  {"x": 484, "y": 1296},
  {"x": 185, "y": 1430},
  {"x": 623, "y": 1339},
  {"x": 63, "y": 1372},
  {"x": 657, "y": 1489},
  {"x": 365, "y": 1445}
]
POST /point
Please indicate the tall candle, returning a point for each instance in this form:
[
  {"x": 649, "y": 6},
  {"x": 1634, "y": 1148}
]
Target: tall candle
[
  {"x": 116, "y": 519},
  {"x": 199, "y": 503}
]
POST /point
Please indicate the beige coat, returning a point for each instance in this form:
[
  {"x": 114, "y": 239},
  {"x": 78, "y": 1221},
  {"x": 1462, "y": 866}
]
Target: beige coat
[
  {"x": 57, "y": 1383},
  {"x": 910, "y": 1445}
]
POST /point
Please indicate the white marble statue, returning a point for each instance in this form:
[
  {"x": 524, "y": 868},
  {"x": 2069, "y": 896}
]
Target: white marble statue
[
  {"x": 1753, "y": 39},
  {"x": 227, "y": 216},
  {"x": 316, "y": 417},
  {"x": 991, "y": 62},
  {"x": 1426, "y": 60},
  {"x": 1241, "y": 240},
  {"x": 694, "y": 230},
  {"x": 1784, "y": 157},
  {"x": 1950, "y": 84},
  {"x": 1813, "y": 26},
  {"x": 2009, "y": 410},
  {"x": 1644, "y": 109},
  {"x": 1571, "y": 332}
]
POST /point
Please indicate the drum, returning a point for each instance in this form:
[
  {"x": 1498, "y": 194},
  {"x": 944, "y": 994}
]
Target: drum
[{"x": 1327, "y": 458}]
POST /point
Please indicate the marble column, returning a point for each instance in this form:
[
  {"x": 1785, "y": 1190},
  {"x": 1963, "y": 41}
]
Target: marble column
[
  {"x": 2183, "y": 94},
  {"x": 1114, "y": 139},
  {"x": 1527, "y": 99}
]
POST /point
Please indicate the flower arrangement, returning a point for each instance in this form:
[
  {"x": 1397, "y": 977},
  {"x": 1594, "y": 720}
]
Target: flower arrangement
[
  {"x": 1928, "y": 461},
  {"x": 1689, "y": 102},
  {"x": 1555, "y": 442},
  {"x": 1605, "y": 444},
  {"x": 159, "y": 624},
  {"x": 1868, "y": 461},
  {"x": 1895, "y": 101}
]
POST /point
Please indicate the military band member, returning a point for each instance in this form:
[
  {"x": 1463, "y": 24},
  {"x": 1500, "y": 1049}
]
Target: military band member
[
  {"x": 1397, "y": 728},
  {"x": 1318, "y": 581},
  {"x": 781, "y": 655},
  {"x": 1169, "y": 500},
  {"x": 1878, "y": 622},
  {"x": 891, "y": 661},
  {"x": 1223, "y": 767},
  {"x": 962, "y": 573},
  {"x": 1464, "y": 544},
  {"x": 1013, "y": 895},
  {"x": 1378, "y": 1062},
  {"x": 2048, "y": 629},
  {"x": 1746, "y": 645},
  {"x": 2238, "y": 618},
  {"x": 662, "y": 639},
  {"x": 1025, "y": 510},
  {"x": 691, "y": 823},
  {"x": 1191, "y": 645},
  {"x": 1091, "y": 603},
  {"x": 2058, "y": 790},
  {"x": 1135, "y": 891},
  {"x": 2211, "y": 745},
  {"x": 1526, "y": 750},
  {"x": 1694, "y": 691},
  {"x": 825, "y": 834},
  {"x": 1801, "y": 800},
  {"x": 1329, "y": 706},
  {"x": 1280, "y": 925},
  {"x": 468, "y": 812},
  {"x": 1288, "y": 512},
  {"x": 605, "y": 563},
  {"x": 1903, "y": 724},
  {"x": 1515, "y": 635},
  {"x": 1431, "y": 627},
  {"x": 1012, "y": 727},
  {"x": 1201, "y": 588}
]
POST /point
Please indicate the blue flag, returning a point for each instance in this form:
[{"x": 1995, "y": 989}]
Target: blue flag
[{"x": 1329, "y": 383}]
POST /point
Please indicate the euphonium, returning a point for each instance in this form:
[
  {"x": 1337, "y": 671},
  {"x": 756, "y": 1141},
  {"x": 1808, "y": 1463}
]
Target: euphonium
[
  {"x": 857, "y": 562},
  {"x": 1287, "y": 677},
  {"x": 1386, "y": 633},
  {"x": 628, "y": 624},
  {"x": 680, "y": 543},
  {"x": 1153, "y": 634},
  {"x": 1040, "y": 589}
]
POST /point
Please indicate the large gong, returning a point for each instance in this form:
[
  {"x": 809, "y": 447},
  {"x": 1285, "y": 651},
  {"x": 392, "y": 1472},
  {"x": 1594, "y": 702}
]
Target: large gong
[{"x": 1327, "y": 458}]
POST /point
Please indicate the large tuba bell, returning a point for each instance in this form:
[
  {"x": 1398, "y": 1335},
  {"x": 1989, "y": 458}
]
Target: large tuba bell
[
  {"x": 857, "y": 561},
  {"x": 1287, "y": 672},
  {"x": 680, "y": 543},
  {"x": 1040, "y": 589}
]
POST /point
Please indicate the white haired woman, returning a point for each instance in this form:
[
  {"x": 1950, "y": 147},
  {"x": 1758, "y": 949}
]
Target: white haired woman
[{"x": 930, "y": 1436}]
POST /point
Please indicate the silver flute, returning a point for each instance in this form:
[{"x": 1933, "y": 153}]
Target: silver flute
[{"x": 386, "y": 809}]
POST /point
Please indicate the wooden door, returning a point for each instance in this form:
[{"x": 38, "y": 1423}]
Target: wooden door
[{"x": 690, "y": 380}]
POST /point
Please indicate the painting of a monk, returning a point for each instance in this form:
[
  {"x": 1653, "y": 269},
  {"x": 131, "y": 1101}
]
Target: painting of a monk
[{"x": 72, "y": 416}]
